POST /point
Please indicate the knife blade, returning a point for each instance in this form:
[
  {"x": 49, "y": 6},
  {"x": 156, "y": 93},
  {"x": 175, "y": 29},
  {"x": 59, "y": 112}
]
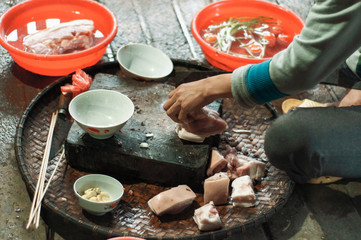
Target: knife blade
[{"x": 62, "y": 125}]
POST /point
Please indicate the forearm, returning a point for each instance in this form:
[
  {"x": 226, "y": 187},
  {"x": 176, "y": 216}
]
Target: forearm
[
  {"x": 330, "y": 35},
  {"x": 218, "y": 86}
]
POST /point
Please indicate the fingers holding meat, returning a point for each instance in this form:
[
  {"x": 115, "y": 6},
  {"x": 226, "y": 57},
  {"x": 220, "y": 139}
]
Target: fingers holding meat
[
  {"x": 205, "y": 123},
  {"x": 185, "y": 99}
]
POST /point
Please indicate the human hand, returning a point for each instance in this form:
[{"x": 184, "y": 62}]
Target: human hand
[
  {"x": 191, "y": 97},
  {"x": 352, "y": 98}
]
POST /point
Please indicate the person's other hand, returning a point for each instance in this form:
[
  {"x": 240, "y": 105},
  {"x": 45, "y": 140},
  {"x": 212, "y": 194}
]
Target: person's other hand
[{"x": 352, "y": 98}]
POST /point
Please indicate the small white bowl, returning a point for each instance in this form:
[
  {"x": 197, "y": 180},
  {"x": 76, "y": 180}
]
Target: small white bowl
[
  {"x": 144, "y": 62},
  {"x": 101, "y": 112},
  {"x": 106, "y": 184}
]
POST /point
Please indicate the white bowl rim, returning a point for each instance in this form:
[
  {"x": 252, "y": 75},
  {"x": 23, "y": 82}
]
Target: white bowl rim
[
  {"x": 100, "y": 90},
  {"x": 94, "y": 175},
  {"x": 171, "y": 65}
]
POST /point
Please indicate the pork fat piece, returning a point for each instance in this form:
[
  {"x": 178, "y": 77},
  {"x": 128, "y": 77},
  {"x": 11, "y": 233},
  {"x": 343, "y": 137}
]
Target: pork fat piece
[
  {"x": 206, "y": 123},
  {"x": 64, "y": 38},
  {"x": 207, "y": 218},
  {"x": 185, "y": 135},
  {"x": 242, "y": 192},
  {"x": 216, "y": 163},
  {"x": 255, "y": 169},
  {"x": 216, "y": 189},
  {"x": 172, "y": 201}
]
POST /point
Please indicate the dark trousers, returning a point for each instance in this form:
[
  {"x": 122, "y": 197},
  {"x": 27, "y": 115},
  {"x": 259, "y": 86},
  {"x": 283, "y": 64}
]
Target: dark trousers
[{"x": 312, "y": 142}]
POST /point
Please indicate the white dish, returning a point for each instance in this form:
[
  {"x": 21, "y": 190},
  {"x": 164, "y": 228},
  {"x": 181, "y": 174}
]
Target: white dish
[
  {"x": 101, "y": 112},
  {"x": 144, "y": 62},
  {"x": 107, "y": 184}
]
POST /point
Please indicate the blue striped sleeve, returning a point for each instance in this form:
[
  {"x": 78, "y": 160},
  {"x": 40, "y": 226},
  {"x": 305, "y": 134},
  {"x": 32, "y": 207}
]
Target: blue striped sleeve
[{"x": 260, "y": 85}]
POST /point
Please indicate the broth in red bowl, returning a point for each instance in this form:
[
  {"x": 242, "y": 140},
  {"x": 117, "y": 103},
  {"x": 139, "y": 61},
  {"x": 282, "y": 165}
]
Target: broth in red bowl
[{"x": 236, "y": 33}]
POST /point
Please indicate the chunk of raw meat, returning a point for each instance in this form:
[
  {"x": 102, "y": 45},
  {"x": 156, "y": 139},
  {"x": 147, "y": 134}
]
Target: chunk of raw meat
[
  {"x": 240, "y": 165},
  {"x": 64, "y": 38},
  {"x": 207, "y": 217},
  {"x": 253, "y": 168},
  {"x": 242, "y": 192},
  {"x": 216, "y": 189},
  {"x": 206, "y": 123},
  {"x": 172, "y": 201},
  {"x": 185, "y": 135},
  {"x": 81, "y": 82},
  {"x": 217, "y": 163}
]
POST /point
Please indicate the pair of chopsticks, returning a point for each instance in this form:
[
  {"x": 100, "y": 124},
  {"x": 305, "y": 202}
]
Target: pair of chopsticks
[{"x": 34, "y": 216}]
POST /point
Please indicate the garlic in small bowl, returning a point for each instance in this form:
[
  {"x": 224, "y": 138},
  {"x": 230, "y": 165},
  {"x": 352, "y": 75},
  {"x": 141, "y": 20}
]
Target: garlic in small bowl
[{"x": 98, "y": 193}]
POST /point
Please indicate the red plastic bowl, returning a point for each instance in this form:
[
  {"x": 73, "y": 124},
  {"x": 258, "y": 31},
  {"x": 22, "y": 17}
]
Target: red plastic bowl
[
  {"x": 223, "y": 10},
  {"x": 38, "y": 11}
]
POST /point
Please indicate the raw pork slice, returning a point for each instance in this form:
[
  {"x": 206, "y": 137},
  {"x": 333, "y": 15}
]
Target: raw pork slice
[
  {"x": 81, "y": 82},
  {"x": 240, "y": 165},
  {"x": 64, "y": 38},
  {"x": 216, "y": 163},
  {"x": 242, "y": 192},
  {"x": 207, "y": 217},
  {"x": 206, "y": 123},
  {"x": 253, "y": 168},
  {"x": 185, "y": 135},
  {"x": 216, "y": 189},
  {"x": 172, "y": 201}
]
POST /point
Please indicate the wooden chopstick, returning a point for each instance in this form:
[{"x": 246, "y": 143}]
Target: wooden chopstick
[
  {"x": 40, "y": 191},
  {"x": 38, "y": 204}
]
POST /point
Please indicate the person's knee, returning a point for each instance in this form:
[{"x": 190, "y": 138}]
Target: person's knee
[
  {"x": 276, "y": 143},
  {"x": 282, "y": 137},
  {"x": 286, "y": 145}
]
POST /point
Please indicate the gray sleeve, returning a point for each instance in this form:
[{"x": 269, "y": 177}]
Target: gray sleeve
[
  {"x": 239, "y": 87},
  {"x": 331, "y": 34},
  {"x": 354, "y": 63}
]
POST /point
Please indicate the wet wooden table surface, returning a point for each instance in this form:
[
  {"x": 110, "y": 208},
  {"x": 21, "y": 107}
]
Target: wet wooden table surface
[{"x": 312, "y": 212}]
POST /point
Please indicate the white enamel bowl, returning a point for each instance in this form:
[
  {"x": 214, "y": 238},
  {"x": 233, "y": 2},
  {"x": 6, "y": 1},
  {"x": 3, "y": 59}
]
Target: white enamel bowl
[
  {"x": 106, "y": 184},
  {"x": 144, "y": 62},
  {"x": 101, "y": 112}
]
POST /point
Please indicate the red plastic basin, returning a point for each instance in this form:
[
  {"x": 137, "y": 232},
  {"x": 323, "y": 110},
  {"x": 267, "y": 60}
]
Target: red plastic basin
[
  {"x": 37, "y": 11},
  {"x": 220, "y": 11}
]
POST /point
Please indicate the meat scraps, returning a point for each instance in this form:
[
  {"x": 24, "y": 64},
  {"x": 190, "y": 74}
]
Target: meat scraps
[
  {"x": 81, "y": 82},
  {"x": 240, "y": 165}
]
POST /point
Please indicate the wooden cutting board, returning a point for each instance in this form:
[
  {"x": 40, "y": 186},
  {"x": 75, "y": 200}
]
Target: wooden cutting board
[{"x": 168, "y": 160}]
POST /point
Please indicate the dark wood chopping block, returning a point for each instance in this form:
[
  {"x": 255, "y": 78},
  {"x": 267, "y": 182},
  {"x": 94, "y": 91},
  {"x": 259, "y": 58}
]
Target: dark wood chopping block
[{"x": 167, "y": 161}]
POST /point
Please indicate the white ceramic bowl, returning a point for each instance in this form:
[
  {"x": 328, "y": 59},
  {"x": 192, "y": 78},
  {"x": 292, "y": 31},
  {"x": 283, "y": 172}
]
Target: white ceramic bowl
[
  {"x": 101, "y": 112},
  {"x": 106, "y": 184},
  {"x": 144, "y": 62}
]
